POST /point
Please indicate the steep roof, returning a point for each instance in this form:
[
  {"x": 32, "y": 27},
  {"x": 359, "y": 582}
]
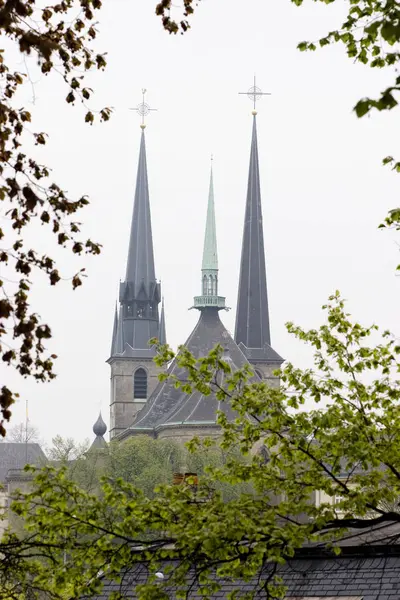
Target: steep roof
[
  {"x": 15, "y": 455},
  {"x": 169, "y": 406}
]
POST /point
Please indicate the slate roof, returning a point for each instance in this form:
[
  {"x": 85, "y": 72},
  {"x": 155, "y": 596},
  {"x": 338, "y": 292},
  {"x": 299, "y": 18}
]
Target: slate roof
[
  {"x": 15, "y": 455},
  {"x": 169, "y": 406},
  {"x": 367, "y": 569},
  {"x": 252, "y": 330},
  {"x": 348, "y": 577}
]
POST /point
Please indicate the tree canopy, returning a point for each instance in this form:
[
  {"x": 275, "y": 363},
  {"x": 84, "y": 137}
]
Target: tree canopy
[{"x": 330, "y": 430}]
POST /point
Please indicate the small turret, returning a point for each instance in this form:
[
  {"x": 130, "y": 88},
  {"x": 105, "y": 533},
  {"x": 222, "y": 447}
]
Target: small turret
[{"x": 99, "y": 429}]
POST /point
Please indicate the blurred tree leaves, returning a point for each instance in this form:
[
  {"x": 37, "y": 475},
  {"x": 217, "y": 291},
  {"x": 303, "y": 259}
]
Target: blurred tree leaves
[{"x": 60, "y": 36}]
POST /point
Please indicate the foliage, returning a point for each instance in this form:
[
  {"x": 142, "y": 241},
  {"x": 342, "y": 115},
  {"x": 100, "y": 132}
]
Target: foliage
[
  {"x": 60, "y": 37},
  {"x": 163, "y": 10},
  {"x": 66, "y": 450},
  {"x": 141, "y": 461},
  {"x": 333, "y": 428}
]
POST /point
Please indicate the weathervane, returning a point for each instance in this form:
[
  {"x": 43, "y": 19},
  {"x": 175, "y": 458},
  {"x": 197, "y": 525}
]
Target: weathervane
[
  {"x": 254, "y": 93},
  {"x": 143, "y": 109}
]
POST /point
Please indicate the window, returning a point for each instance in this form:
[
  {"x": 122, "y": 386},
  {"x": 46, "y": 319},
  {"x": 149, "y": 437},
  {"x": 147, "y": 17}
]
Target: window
[
  {"x": 259, "y": 374},
  {"x": 210, "y": 286},
  {"x": 140, "y": 384},
  {"x": 140, "y": 310},
  {"x": 204, "y": 285}
]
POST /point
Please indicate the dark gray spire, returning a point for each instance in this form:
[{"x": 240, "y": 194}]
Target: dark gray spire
[
  {"x": 99, "y": 429},
  {"x": 140, "y": 265},
  {"x": 163, "y": 334},
  {"x": 139, "y": 294},
  {"x": 252, "y": 331}
]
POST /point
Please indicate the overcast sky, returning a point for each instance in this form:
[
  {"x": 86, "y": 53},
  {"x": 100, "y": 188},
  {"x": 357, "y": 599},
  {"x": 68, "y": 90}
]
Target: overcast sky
[{"x": 324, "y": 190}]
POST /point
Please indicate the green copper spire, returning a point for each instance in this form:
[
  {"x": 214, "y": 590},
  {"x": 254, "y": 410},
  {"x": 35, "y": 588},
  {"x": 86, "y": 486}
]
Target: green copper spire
[
  {"x": 210, "y": 254},
  {"x": 209, "y": 267}
]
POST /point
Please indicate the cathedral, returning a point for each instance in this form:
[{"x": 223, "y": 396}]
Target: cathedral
[{"x": 139, "y": 403}]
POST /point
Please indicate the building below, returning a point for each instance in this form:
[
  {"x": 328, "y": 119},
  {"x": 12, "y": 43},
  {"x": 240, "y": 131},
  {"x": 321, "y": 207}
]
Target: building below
[
  {"x": 366, "y": 569},
  {"x": 14, "y": 456}
]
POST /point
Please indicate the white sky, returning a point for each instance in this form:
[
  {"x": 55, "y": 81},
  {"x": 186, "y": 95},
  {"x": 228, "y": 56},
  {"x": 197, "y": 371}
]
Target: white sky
[{"x": 324, "y": 190}]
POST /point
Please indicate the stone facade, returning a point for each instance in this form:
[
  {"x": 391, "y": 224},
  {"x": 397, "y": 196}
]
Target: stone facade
[
  {"x": 123, "y": 405},
  {"x": 185, "y": 434}
]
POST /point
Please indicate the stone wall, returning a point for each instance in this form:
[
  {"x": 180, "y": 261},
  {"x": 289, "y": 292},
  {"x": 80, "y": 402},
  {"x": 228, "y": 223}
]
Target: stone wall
[
  {"x": 123, "y": 407},
  {"x": 185, "y": 434}
]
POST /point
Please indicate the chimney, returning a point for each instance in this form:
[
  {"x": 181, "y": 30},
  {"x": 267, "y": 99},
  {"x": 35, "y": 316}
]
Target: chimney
[{"x": 188, "y": 478}]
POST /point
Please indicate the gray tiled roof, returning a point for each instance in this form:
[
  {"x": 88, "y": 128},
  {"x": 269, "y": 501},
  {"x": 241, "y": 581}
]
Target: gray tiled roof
[
  {"x": 14, "y": 455},
  {"x": 340, "y": 578},
  {"x": 169, "y": 406}
]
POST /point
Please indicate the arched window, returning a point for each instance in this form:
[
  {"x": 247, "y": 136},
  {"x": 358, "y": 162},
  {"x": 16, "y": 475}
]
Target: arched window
[
  {"x": 210, "y": 286},
  {"x": 140, "y": 384},
  {"x": 205, "y": 285},
  {"x": 259, "y": 373}
]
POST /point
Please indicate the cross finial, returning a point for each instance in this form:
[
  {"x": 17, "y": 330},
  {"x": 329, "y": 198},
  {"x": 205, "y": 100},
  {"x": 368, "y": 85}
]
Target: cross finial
[
  {"x": 254, "y": 93},
  {"x": 143, "y": 109}
]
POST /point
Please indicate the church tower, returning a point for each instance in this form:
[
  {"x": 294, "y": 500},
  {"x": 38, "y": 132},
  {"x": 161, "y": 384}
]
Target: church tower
[
  {"x": 136, "y": 320},
  {"x": 252, "y": 331}
]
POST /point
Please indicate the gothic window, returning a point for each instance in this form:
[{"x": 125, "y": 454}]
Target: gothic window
[
  {"x": 140, "y": 384},
  {"x": 140, "y": 310},
  {"x": 129, "y": 310}
]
